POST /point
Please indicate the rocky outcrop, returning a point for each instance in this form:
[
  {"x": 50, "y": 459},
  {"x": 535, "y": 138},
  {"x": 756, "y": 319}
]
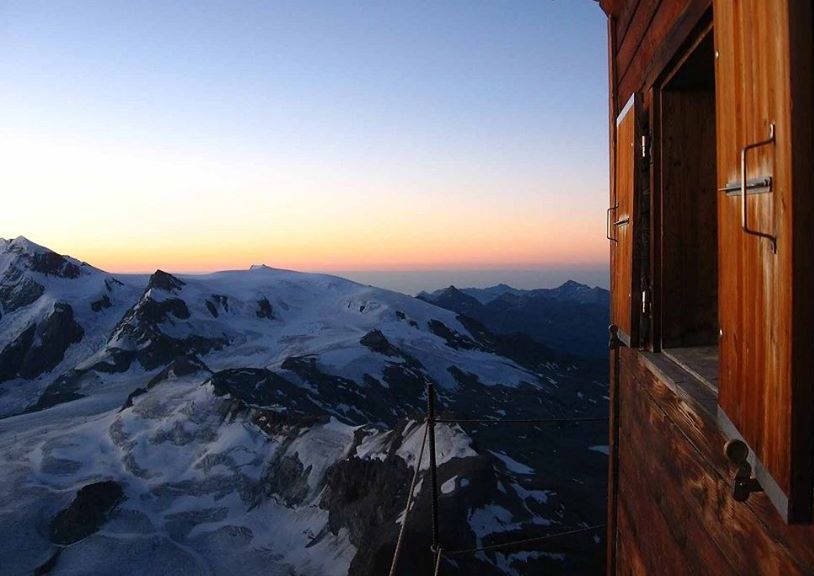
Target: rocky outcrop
[
  {"x": 453, "y": 339},
  {"x": 63, "y": 389},
  {"x": 86, "y": 514},
  {"x": 41, "y": 347},
  {"x": 366, "y": 497},
  {"x": 16, "y": 295},
  {"x": 163, "y": 281},
  {"x": 101, "y": 304},
  {"x": 263, "y": 388},
  {"x": 217, "y": 303},
  {"x": 139, "y": 331},
  {"x": 54, "y": 335},
  {"x": 13, "y": 355},
  {"x": 178, "y": 368},
  {"x": 52, "y": 264},
  {"x": 377, "y": 342},
  {"x": 264, "y": 309}
]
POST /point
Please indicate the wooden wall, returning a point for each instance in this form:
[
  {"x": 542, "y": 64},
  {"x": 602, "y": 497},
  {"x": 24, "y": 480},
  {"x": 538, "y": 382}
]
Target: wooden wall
[
  {"x": 646, "y": 36},
  {"x": 675, "y": 513}
]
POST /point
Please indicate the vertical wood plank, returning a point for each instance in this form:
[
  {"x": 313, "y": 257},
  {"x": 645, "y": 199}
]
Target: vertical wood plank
[
  {"x": 625, "y": 299},
  {"x": 762, "y": 390}
]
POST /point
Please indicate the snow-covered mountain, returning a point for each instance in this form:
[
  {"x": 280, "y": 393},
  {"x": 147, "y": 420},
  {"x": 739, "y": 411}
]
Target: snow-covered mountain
[{"x": 268, "y": 421}]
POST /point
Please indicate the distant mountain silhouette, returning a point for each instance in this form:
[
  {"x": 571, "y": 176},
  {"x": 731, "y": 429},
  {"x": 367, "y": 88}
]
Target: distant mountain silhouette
[{"x": 571, "y": 318}]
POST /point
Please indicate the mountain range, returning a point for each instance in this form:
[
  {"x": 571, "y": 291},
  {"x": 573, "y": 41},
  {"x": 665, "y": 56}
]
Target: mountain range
[
  {"x": 266, "y": 421},
  {"x": 572, "y": 318}
]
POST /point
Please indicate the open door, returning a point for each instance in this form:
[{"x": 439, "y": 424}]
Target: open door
[
  {"x": 623, "y": 223},
  {"x": 763, "y": 112}
]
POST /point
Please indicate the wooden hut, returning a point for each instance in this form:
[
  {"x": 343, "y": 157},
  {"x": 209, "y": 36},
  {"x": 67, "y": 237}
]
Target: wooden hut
[{"x": 711, "y": 232}]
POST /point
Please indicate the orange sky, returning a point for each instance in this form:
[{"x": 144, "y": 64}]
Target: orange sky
[
  {"x": 420, "y": 136},
  {"x": 134, "y": 210}
]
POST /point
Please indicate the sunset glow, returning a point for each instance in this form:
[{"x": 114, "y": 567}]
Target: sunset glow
[{"x": 399, "y": 161}]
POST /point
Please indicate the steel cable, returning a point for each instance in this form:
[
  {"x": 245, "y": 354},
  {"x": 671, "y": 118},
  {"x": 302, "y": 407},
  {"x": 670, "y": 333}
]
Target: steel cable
[{"x": 410, "y": 498}]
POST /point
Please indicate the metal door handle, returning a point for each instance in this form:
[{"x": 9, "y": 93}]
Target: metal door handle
[
  {"x": 745, "y": 186},
  {"x": 608, "y": 223},
  {"x": 761, "y": 185}
]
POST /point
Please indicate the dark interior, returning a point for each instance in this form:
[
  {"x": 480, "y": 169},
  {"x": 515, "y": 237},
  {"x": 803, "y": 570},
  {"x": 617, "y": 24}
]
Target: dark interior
[{"x": 688, "y": 219}]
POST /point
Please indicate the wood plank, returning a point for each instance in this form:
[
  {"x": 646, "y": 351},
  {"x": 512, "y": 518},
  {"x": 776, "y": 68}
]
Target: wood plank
[
  {"x": 629, "y": 561},
  {"x": 639, "y": 25},
  {"x": 626, "y": 14},
  {"x": 625, "y": 298},
  {"x": 752, "y": 535},
  {"x": 613, "y": 458},
  {"x": 655, "y": 480},
  {"x": 763, "y": 392},
  {"x": 670, "y": 28}
]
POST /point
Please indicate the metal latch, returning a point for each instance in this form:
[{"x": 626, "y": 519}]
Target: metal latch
[{"x": 744, "y": 483}]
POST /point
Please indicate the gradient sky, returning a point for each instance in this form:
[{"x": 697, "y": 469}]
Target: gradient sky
[{"x": 334, "y": 135}]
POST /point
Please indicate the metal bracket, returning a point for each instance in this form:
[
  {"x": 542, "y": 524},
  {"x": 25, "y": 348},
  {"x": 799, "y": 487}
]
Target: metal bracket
[
  {"x": 744, "y": 185},
  {"x": 608, "y": 223},
  {"x": 753, "y": 186},
  {"x": 744, "y": 483},
  {"x": 613, "y": 337}
]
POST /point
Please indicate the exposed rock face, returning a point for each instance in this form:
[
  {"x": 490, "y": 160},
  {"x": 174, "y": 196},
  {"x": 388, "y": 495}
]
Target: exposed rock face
[
  {"x": 13, "y": 355},
  {"x": 261, "y": 387},
  {"x": 397, "y": 397},
  {"x": 288, "y": 481},
  {"x": 86, "y": 514},
  {"x": 101, "y": 303},
  {"x": 181, "y": 366},
  {"x": 454, "y": 339},
  {"x": 264, "y": 309},
  {"x": 377, "y": 342},
  {"x": 51, "y": 263},
  {"x": 54, "y": 335},
  {"x": 14, "y": 296},
  {"x": 141, "y": 332},
  {"x": 163, "y": 281},
  {"x": 40, "y": 348},
  {"x": 217, "y": 303},
  {"x": 366, "y": 496},
  {"x": 178, "y": 368}
]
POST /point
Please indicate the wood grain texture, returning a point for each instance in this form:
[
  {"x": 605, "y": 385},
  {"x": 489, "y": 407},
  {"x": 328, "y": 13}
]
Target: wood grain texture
[
  {"x": 676, "y": 512},
  {"x": 624, "y": 226},
  {"x": 656, "y": 33},
  {"x": 688, "y": 216},
  {"x": 762, "y": 391},
  {"x": 613, "y": 354}
]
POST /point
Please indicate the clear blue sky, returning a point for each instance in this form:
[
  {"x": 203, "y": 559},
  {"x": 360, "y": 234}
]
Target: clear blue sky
[{"x": 310, "y": 134}]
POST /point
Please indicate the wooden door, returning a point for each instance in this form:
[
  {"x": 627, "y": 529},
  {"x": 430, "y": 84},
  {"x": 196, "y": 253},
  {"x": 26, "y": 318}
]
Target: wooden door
[
  {"x": 763, "y": 106},
  {"x": 623, "y": 224}
]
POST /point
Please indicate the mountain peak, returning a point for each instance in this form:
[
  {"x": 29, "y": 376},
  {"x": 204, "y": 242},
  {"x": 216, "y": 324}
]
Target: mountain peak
[
  {"x": 164, "y": 281},
  {"x": 21, "y": 253},
  {"x": 24, "y": 245}
]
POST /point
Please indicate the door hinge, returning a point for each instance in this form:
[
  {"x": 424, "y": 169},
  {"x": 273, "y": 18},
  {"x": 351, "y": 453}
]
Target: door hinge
[{"x": 645, "y": 150}]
